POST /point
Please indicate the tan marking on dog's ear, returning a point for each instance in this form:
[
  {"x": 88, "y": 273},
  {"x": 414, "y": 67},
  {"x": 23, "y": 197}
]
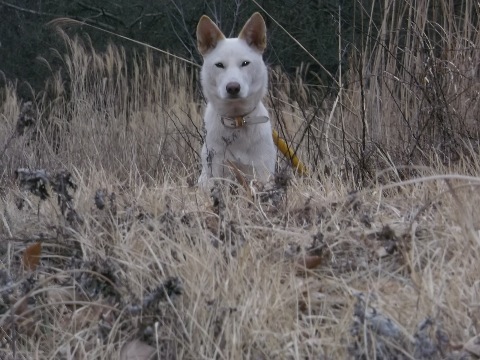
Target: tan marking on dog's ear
[
  {"x": 208, "y": 35},
  {"x": 254, "y": 32}
]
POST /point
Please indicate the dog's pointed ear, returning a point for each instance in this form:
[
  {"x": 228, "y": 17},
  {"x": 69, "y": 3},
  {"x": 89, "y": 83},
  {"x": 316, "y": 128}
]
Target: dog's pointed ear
[
  {"x": 208, "y": 35},
  {"x": 254, "y": 32}
]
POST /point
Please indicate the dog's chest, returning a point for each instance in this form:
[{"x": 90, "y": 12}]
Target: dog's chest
[{"x": 239, "y": 141}]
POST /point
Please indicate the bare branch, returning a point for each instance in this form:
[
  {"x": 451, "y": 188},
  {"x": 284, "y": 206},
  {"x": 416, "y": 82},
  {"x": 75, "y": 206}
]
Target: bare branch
[
  {"x": 181, "y": 21},
  {"x": 101, "y": 12},
  {"x": 142, "y": 16},
  {"x": 238, "y": 4},
  {"x": 18, "y": 8}
]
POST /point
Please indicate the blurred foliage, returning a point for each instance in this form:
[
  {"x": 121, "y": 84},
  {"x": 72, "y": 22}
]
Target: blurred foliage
[{"x": 170, "y": 25}]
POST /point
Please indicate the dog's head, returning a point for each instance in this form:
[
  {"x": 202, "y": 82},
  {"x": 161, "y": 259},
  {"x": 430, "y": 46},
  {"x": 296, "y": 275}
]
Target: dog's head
[{"x": 234, "y": 76}]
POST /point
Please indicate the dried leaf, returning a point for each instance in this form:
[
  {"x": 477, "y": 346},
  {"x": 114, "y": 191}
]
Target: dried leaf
[
  {"x": 240, "y": 178},
  {"x": 309, "y": 262},
  {"x": 31, "y": 256},
  {"x": 473, "y": 346},
  {"x": 137, "y": 350}
]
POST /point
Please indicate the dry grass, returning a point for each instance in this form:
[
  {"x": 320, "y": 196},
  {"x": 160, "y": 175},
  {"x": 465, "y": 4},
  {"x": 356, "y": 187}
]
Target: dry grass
[{"x": 357, "y": 262}]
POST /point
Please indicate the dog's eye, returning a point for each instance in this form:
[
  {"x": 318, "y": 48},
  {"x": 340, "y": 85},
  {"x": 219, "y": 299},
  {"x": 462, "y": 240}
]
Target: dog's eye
[
  {"x": 219, "y": 65},
  {"x": 245, "y": 63}
]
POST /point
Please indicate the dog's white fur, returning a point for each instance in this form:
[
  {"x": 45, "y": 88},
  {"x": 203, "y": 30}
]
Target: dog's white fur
[{"x": 235, "y": 62}]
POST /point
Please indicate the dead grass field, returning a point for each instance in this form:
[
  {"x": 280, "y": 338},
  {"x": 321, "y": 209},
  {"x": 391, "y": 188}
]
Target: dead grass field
[{"x": 112, "y": 253}]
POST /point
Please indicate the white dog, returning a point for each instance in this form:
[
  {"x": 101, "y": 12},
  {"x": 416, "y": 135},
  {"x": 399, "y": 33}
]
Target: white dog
[{"x": 234, "y": 80}]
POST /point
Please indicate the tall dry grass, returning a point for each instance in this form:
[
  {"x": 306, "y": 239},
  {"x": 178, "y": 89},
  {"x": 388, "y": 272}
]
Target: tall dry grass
[
  {"x": 412, "y": 90},
  {"x": 407, "y": 91},
  {"x": 134, "y": 259},
  {"x": 131, "y": 117}
]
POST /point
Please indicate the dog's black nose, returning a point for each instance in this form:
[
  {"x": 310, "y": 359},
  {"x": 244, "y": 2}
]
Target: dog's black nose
[{"x": 233, "y": 88}]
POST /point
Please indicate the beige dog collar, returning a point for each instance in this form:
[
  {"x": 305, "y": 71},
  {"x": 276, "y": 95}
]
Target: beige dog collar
[{"x": 240, "y": 121}]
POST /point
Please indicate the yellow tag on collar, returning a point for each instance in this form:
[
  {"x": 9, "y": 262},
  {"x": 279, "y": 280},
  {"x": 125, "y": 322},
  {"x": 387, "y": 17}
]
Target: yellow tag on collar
[{"x": 239, "y": 121}]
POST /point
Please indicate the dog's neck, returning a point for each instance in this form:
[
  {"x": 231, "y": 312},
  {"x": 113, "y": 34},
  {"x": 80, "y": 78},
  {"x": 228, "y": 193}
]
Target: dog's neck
[
  {"x": 234, "y": 114},
  {"x": 243, "y": 120}
]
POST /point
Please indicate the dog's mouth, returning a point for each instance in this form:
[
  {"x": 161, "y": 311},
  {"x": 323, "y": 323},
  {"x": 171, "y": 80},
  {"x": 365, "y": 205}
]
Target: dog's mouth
[
  {"x": 233, "y": 97},
  {"x": 233, "y": 105}
]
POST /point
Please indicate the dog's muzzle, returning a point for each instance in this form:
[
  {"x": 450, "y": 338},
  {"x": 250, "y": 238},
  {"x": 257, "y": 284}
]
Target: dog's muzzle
[{"x": 240, "y": 121}]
